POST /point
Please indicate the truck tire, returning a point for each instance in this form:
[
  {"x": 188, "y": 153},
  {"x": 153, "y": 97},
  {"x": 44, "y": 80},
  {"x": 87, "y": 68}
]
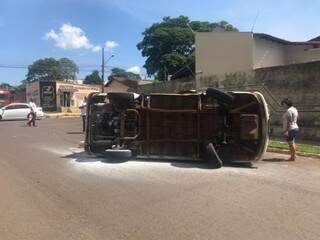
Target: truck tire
[
  {"x": 118, "y": 153},
  {"x": 220, "y": 96}
]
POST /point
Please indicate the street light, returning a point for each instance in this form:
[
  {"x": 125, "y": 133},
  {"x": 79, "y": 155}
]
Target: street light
[
  {"x": 110, "y": 58},
  {"x": 102, "y": 68}
]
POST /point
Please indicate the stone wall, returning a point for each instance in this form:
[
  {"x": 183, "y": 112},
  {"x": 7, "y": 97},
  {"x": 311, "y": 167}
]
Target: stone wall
[
  {"x": 173, "y": 86},
  {"x": 299, "y": 82}
]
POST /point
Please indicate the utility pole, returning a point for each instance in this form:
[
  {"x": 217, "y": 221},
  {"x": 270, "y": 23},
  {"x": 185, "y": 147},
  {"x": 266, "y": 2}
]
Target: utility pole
[{"x": 102, "y": 71}]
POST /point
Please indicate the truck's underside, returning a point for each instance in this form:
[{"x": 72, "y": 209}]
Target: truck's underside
[{"x": 232, "y": 127}]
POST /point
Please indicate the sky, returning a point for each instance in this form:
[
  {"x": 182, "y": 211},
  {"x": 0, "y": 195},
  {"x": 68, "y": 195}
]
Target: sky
[{"x": 76, "y": 29}]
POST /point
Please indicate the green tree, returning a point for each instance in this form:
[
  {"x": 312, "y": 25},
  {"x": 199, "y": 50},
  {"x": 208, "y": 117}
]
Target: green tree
[
  {"x": 6, "y": 85},
  {"x": 169, "y": 45},
  {"x": 93, "y": 78},
  {"x": 50, "y": 69},
  {"x": 68, "y": 68},
  {"x": 119, "y": 72}
]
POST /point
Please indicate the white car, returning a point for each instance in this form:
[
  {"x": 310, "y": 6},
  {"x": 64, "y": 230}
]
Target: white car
[{"x": 16, "y": 111}]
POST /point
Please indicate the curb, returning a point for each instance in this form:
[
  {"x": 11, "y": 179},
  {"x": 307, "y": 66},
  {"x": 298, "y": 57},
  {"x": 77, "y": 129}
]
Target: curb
[
  {"x": 285, "y": 151},
  {"x": 62, "y": 116}
]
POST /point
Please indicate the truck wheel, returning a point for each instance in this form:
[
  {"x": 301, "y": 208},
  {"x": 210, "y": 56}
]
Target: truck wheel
[
  {"x": 220, "y": 96},
  {"x": 118, "y": 153},
  {"x": 212, "y": 157}
]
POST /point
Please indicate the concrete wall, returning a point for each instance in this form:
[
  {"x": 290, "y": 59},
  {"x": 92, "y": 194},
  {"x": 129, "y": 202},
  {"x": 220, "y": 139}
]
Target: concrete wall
[
  {"x": 33, "y": 91},
  {"x": 173, "y": 86},
  {"x": 223, "y": 52},
  {"x": 268, "y": 53},
  {"x": 299, "y": 82},
  {"x": 301, "y": 54}
]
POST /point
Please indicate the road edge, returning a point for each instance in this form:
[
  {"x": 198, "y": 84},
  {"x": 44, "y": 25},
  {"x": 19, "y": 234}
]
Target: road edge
[{"x": 286, "y": 151}]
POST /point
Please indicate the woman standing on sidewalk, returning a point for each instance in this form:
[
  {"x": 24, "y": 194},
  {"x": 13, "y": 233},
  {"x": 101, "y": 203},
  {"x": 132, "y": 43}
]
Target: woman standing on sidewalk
[{"x": 290, "y": 126}]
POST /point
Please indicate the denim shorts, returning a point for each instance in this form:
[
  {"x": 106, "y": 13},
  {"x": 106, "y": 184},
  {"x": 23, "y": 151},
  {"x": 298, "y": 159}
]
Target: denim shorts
[{"x": 292, "y": 134}]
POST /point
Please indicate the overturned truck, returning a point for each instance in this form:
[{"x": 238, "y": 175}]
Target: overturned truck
[{"x": 214, "y": 126}]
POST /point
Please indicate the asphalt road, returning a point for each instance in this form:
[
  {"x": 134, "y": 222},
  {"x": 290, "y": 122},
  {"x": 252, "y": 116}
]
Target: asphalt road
[{"x": 50, "y": 189}]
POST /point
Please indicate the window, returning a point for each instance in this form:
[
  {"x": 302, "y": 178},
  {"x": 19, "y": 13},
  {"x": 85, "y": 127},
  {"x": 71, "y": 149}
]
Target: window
[
  {"x": 21, "y": 106},
  {"x": 11, "y": 107},
  {"x": 66, "y": 99},
  {"x": 24, "y": 106}
]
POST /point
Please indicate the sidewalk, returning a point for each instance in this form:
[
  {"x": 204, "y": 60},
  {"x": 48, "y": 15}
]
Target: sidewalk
[
  {"x": 282, "y": 139},
  {"x": 60, "y": 115}
]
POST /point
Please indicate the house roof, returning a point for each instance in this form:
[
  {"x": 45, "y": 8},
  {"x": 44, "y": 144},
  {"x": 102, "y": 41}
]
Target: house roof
[
  {"x": 123, "y": 80},
  {"x": 315, "y": 41}
]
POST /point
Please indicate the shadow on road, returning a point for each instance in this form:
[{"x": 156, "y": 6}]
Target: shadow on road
[
  {"x": 274, "y": 160},
  {"x": 75, "y": 132},
  {"x": 191, "y": 164},
  {"x": 241, "y": 165},
  {"x": 83, "y": 157}
]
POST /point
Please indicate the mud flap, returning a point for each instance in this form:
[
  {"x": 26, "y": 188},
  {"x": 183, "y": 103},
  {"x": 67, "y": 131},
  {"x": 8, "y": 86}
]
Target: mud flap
[{"x": 212, "y": 156}]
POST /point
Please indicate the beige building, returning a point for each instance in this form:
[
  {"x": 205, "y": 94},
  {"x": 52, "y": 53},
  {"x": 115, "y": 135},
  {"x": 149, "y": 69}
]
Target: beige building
[
  {"x": 218, "y": 53},
  {"x": 58, "y": 95}
]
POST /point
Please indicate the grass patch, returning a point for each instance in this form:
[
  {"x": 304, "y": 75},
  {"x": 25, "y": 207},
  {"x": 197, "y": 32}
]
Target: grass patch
[{"x": 306, "y": 148}]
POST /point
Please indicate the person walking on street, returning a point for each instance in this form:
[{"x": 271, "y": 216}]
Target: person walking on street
[
  {"x": 290, "y": 126},
  {"x": 32, "y": 114},
  {"x": 83, "y": 107}
]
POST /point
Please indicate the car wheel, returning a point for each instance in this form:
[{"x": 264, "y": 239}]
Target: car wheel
[
  {"x": 212, "y": 157},
  {"x": 0, "y": 117},
  {"x": 220, "y": 96}
]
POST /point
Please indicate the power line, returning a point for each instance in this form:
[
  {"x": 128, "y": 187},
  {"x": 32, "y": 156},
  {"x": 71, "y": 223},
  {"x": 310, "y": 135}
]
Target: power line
[
  {"x": 90, "y": 67},
  {"x": 4, "y": 66},
  {"x": 47, "y": 67},
  {"x": 255, "y": 21},
  {"x": 44, "y": 66}
]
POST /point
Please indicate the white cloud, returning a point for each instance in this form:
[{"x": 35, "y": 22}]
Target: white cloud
[
  {"x": 134, "y": 69},
  {"x": 110, "y": 45},
  {"x": 96, "y": 49},
  {"x": 71, "y": 37}
]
